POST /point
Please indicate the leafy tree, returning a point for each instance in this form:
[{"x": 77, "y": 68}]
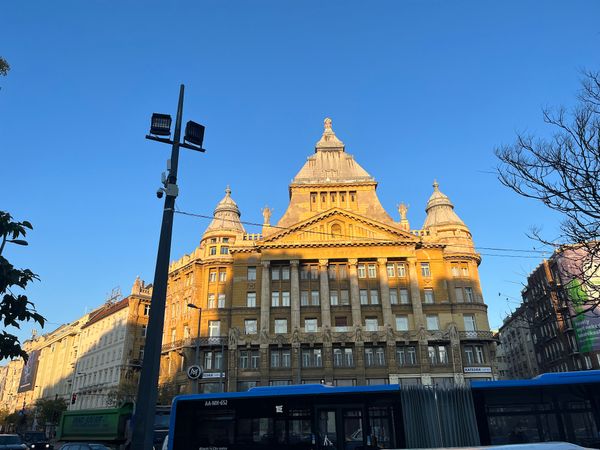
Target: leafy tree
[
  {"x": 14, "y": 307},
  {"x": 49, "y": 411},
  {"x": 125, "y": 392},
  {"x": 563, "y": 172},
  {"x": 4, "y": 66}
]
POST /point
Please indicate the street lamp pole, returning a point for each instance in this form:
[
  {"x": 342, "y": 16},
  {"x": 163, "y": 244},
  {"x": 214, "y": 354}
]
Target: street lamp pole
[
  {"x": 143, "y": 426},
  {"x": 197, "y": 358}
]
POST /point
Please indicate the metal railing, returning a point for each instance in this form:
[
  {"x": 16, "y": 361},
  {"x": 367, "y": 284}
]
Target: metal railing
[{"x": 477, "y": 335}]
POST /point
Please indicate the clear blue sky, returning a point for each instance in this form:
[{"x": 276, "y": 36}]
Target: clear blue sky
[{"x": 417, "y": 90}]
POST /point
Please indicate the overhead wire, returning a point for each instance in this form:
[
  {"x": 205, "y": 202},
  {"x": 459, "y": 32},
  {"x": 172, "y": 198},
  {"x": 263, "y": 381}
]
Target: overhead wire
[{"x": 540, "y": 253}]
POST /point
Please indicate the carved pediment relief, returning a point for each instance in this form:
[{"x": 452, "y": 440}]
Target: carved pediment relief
[{"x": 339, "y": 226}]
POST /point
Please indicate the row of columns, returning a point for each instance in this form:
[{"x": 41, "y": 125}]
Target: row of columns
[{"x": 388, "y": 316}]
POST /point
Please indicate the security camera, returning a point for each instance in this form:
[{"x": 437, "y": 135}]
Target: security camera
[{"x": 159, "y": 193}]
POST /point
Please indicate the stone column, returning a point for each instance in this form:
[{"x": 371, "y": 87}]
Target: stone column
[
  {"x": 265, "y": 297},
  {"x": 324, "y": 284},
  {"x": 415, "y": 294},
  {"x": 295, "y": 294},
  {"x": 384, "y": 288},
  {"x": 354, "y": 294}
]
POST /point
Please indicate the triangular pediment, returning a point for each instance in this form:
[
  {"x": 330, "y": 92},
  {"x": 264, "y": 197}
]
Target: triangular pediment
[{"x": 337, "y": 226}]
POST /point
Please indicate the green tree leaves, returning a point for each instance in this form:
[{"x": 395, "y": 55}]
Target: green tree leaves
[{"x": 15, "y": 307}]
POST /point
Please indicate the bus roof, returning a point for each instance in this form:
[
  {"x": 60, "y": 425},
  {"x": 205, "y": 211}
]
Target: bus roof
[
  {"x": 545, "y": 379},
  {"x": 300, "y": 389}
]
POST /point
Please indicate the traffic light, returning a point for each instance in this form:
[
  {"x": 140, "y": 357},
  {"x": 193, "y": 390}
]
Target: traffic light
[{"x": 73, "y": 399}]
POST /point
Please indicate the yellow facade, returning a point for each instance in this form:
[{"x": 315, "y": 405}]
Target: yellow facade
[{"x": 336, "y": 291}]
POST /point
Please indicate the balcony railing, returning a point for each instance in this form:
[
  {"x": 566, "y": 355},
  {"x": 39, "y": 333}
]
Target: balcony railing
[
  {"x": 476, "y": 335},
  {"x": 192, "y": 342}
]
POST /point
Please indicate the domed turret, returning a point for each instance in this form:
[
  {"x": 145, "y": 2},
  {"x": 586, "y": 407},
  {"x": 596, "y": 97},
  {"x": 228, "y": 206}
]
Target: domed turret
[
  {"x": 440, "y": 210},
  {"x": 444, "y": 225},
  {"x": 226, "y": 216}
]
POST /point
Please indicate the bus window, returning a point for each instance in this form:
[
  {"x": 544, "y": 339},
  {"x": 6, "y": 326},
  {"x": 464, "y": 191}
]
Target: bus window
[
  {"x": 353, "y": 432},
  {"x": 381, "y": 428},
  {"x": 327, "y": 429}
]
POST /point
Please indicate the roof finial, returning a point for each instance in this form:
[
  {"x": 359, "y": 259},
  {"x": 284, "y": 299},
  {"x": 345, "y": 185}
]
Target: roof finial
[
  {"x": 329, "y": 139},
  {"x": 228, "y": 191},
  {"x": 436, "y": 186}
]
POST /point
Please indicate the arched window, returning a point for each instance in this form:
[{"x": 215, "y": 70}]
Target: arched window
[{"x": 336, "y": 230}]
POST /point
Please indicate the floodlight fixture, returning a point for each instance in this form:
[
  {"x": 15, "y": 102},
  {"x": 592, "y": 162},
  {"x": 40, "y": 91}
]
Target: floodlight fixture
[
  {"x": 194, "y": 133},
  {"x": 160, "y": 124}
]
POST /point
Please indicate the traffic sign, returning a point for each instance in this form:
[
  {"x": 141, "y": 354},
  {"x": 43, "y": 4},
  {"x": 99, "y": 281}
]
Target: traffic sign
[{"x": 194, "y": 372}]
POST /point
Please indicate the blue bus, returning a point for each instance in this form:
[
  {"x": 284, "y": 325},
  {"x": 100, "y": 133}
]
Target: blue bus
[
  {"x": 552, "y": 407},
  {"x": 562, "y": 406}
]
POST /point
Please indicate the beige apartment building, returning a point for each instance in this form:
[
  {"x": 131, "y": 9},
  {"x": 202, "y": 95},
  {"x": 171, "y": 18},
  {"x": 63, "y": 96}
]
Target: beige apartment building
[
  {"x": 337, "y": 291},
  {"x": 88, "y": 360},
  {"x": 111, "y": 346}
]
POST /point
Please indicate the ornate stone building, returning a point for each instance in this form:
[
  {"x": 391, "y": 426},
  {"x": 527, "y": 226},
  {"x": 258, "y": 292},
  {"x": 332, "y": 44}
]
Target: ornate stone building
[{"x": 336, "y": 291}]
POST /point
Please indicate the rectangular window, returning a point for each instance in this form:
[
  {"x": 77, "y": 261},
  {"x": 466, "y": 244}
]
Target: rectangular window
[
  {"x": 255, "y": 360},
  {"x": 455, "y": 270},
  {"x": 338, "y": 357},
  {"x": 310, "y": 325},
  {"x": 459, "y": 295},
  {"x": 221, "y": 300},
  {"x": 275, "y": 298},
  {"x": 214, "y": 328},
  {"x": 349, "y": 357},
  {"x": 404, "y": 297},
  {"x": 141, "y": 353},
  {"x": 285, "y": 273},
  {"x": 470, "y": 324},
  {"x": 401, "y": 270},
  {"x": 224, "y": 250},
  {"x": 372, "y": 271},
  {"x": 144, "y": 328},
  {"x": 251, "y": 273},
  {"x": 212, "y": 251},
  {"x": 211, "y": 300},
  {"x": 428, "y": 295},
  {"x": 304, "y": 298},
  {"x": 402, "y": 323},
  {"x": 344, "y": 297},
  {"x": 374, "y": 296},
  {"x": 465, "y": 271},
  {"x": 222, "y": 276},
  {"x": 479, "y": 354},
  {"x": 393, "y": 296},
  {"x": 341, "y": 321},
  {"x": 244, "y": 359},
  {"x": 312, "y": 357},
  {"x": 331, "y": 271},
  {"x": 280, "y": 326},
  {"x": 425, "y": 271},
  {"x": 362, "y": 271},
  {"x": 470, "y": 296},
  {"x": 432, "y": 322},
  {"x": 212, "y": 276},
  {"x": 371, "y": 324},
  {"x": 275, "y": 272},
  {"x": 250, "y": 326},
  {"x": 406, "y": 355},
  {"x": 251, "y": 299},
  {"x": 314, "y": 298},
  {"x": 314, "y": 273},
  {"x": 374, "y": 356},
  {"x": 146, "y": 310},
  {"x": 342, "y": 272},
  {"x": 364, "y": 297},
  {"x": 469, "y": 354},
  {"x": 333, "y": 298},
  {"x": 285, "y": 298},
  {"x": 391, "y": 270}
]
